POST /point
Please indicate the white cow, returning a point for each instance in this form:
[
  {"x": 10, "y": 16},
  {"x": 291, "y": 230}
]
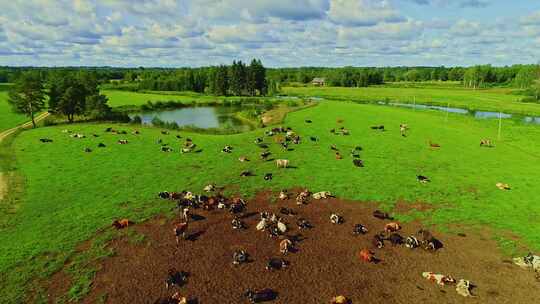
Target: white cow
[
  {"x": 322, "y": 195},
  {"x": 282, "y": 163}
]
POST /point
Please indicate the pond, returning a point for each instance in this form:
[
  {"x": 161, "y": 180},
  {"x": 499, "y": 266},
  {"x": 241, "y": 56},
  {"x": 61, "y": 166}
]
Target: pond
[
  {"x": 203, "y": 117},
  {"x": 476, "y": 114}
]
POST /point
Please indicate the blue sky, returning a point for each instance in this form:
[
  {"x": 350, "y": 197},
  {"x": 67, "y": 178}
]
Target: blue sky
[{"x": 283, "y": 33}]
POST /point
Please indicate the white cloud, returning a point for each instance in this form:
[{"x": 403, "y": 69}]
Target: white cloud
[{"x": 363, "y": 12}]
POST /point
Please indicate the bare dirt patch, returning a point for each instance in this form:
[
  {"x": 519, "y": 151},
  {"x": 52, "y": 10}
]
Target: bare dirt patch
[{"x": 325, "y": 265}]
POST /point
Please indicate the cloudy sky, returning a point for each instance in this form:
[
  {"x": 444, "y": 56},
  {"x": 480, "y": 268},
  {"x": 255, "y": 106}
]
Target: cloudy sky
[{"x": 280, "y": 32}]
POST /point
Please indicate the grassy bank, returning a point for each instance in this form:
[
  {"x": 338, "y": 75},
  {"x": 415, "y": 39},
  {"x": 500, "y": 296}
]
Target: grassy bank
[{"x": 497, "y": 99}]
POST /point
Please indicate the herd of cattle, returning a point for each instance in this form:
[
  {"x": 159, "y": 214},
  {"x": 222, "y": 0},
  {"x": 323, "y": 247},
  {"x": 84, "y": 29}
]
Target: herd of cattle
[
  {"x": 274, "y": 225},
  {"x": 276, "y": 228}
]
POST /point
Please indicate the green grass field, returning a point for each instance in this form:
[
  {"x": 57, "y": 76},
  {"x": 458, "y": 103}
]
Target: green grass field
[
  {"x": 69, "y": 195},
  {"x": 498, "y": 99},
  {"x": 8, "y": 119}
]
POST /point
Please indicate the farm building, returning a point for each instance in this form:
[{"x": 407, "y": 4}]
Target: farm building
[{"x": 318, "y": 82}]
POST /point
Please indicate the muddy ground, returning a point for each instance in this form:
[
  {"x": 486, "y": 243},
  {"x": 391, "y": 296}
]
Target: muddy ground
[{"x": 324, "y": 266}]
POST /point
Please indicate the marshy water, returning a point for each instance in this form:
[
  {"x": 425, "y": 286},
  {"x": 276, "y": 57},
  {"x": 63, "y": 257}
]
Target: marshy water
[{"x": 476, "y": 114}]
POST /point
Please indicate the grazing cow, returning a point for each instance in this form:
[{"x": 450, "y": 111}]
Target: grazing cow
[
  {"x": 381, "y": 215},
  {"x": 403, "y": 129},
  {"x": 367, "y": 255},
  {"x": 502, "y": 186},
  {"x": 275, "y": 264},
  {"x": 178, "y": 136},
  {"x": 176, "y": 298},
  {"x": 209, "y": 188},
  {"x": 287, "y": 211},
  {"x": 285, "y": 245},
  {"x": 379, "y": 127},
  {"x": 175, "y": 278},
  {"x": 358, "y": 162},
  {"x": 529, "y": 261},
  {"x": 423, "y": 179},
  {"x": 378, "y": 240},
  {"x": 166, "y": 149},
  {"x": 312, "y": 138},
  {"x": 264, "y": 155},
  {"x": 87, "y": 150},
  {"x": 308, "y": 121},
  {"x": 282, "y": 227},
  {"x": 338, "y": 156},
  {"x": 336, "y": 219},
  {"x": 411, "y": 242},
  {"x": 180, "y": 231},
  {"x": 302, "y": 197},
  {"x": 340, "y": 300},
  {"x": 464, "y": 287},
  {"x": 392, "y": 227},
  {"x": 136, "y": 132},
  {"x": 303, "y": 224},
  {"x": 440, "y": 279},
  {"x": 263, "y": 223},
  {"x": 164, "y": 132},
  {"x": 185, "y": 214},
  {"x": 237, "y": 224},
  {"x": 359, "y": 229},
  {"x": 434, "y": 145},
  {"x": 285, "y": 145},
  {"x": 227, "y": 149},
  {"x": 322, "y": 195},
  {"x": 120, "y": 224},
  {"x": 429, "y": 242},
  {"x": 164, "y": 195},
  {"x": 246, "y": 173},
  {"x": 123, "y": 141},
  {"x": 486, "y": 143},
  {"x": 283, "y": 195},
  {"x": 345, "y": 132},
  {"x": 273, "y": 231},
  {"x": 395, "y": 239},
  {"x": 243, "y": 159},
  {"x": 257, "y": 296},
  {"x": 45, "y": 140},
  {"x": 239, "y": 257},
  {"x": 268, "y": 176},
  {"x": 334, "y": 147},
  {"x": 101, "y": 145},
  {"x": 282, "y": 163},
  {"x": 333, "y": 131},
  {"x": 258, "y": 140}
]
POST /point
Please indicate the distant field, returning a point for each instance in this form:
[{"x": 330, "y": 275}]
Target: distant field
[
  {"x": 8, "y": 119},
  {"x": 497, "y": 99},
  {"x": 89, "y": 190},
  {"x": 128, "y": 98}
]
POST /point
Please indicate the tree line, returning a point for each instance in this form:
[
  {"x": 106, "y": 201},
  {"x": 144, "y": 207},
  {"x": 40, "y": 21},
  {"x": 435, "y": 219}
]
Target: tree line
[
  {"x": 68, "y": 93},
  {"x": 237, "y": 79}
]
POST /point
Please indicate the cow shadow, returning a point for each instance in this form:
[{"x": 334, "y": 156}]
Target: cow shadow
[
  {"x": 197, "y": 217},
  {"x": 248, "y": 215},
  {"x": 195, "y": 236}
]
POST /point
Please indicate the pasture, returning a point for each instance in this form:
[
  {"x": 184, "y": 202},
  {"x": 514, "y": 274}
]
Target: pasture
[
  {"x": 69, "y": 195},
  {"x": 441, "y": 95},
  {"x": 8, "y": 119}
]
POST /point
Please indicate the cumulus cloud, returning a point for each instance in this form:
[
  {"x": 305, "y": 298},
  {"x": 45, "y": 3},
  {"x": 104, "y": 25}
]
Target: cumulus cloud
[
  {"x": 363, "y": 12},
  {"x": 280, "y": 32}
]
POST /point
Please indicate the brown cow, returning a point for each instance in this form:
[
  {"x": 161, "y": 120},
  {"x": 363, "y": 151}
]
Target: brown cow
[
  {"x": 120, "y": 224},
  {"x": 180, "y": 231},
  {"x": 284, "y": 246},
  {"x": 367, "y": 255},
  {"x": 392, "y": 227}
]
